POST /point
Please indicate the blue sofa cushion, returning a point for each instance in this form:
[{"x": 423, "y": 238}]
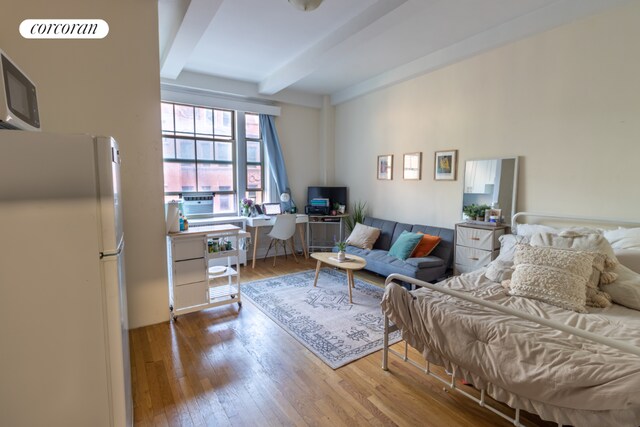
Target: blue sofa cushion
[
  {"x": 444, "y": 250},
  {"x": 355, "y": 251},
  {"x": 400, "y": 227},
  {"x": 426, "y": 262},
  {"x": 384, "y": 264},
  {"x": 386, "y": 231}
]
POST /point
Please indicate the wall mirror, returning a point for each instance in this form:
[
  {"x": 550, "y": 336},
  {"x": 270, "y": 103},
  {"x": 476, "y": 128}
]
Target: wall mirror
[{"x": 491, "y": 183}]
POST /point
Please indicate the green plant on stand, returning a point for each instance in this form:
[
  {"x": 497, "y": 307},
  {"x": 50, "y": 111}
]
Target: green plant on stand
[
  {"x": 357, "y": 215},
  {"x": 470, "y": 211},
  {"x": 480, "y": 212},
  {"x": 475, "y": 212},
  {"x": 342, "y": 246}
]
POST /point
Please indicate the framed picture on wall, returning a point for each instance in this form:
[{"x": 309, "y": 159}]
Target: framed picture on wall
[
  {"x": 385, "y": 166},
  {"x": 446, "y": 165},
  {"x": 412, "y": 167}
]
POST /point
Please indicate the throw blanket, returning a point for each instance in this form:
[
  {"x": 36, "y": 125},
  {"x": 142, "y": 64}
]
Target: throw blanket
[{"x": 559, "y": 376}]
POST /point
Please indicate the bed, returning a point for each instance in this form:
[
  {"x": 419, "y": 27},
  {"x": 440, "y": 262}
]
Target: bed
[{"x": 565, "y": 366}]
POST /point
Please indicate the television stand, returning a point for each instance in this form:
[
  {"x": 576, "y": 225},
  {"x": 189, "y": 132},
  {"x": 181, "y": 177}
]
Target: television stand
[{"x": 324, "y": 221}]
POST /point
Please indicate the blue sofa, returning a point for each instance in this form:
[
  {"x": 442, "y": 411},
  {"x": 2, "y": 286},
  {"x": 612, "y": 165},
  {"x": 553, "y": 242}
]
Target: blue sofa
[{"x": 428, "y": 269}]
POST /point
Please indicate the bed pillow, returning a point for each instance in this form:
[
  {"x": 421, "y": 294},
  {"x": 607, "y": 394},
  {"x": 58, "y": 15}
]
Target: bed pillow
[
  {"x": 404, "y": 245},
  {"x": 626, "y": 289},
  {"x": 555, "y": 276},
  {"x": 603, "y": 263},
  {"x": 426, "y": 245},
  {"x": 508, "y": 243},
  {"x": 529, "y": 229},
  {"x": 624, "y": 238},
  {"x": 363, "y": 236},
  {"x": 630, "y": 258},
  {"x": 499, "y": 271},
  {"x": 582, "y": 242}
]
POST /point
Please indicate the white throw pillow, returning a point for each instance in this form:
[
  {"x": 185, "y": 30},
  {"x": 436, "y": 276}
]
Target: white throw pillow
[
  {"x": 498, "y": 271},
  {"x": 630, "y": 258},
  {"x": 508, "y": 243},
  {"x": 626, "y": 289},
  {"x": 529, "y": 229},
  {"x": 555, "y": 276},
  {"x": 624, "y": 238},
  {"x": 363, "y": 236}
]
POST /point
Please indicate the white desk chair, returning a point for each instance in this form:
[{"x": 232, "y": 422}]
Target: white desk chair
[{"x": 283, "y": 230}]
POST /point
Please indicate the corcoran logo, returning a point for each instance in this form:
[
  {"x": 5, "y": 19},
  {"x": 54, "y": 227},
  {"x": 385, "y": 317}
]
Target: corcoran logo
[{"x": 64, "y": 29}]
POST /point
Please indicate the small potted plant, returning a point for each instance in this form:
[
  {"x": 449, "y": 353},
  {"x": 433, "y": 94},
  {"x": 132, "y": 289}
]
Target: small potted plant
[
  {"x": 470, "y": 211},
  {"x": 334, "y": 211},
  {"x": 481, "y": 211},
  {"x": 341, "y": 248}
]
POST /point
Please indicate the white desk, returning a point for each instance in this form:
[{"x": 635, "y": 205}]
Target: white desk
[{"x": 268, "y": 221}]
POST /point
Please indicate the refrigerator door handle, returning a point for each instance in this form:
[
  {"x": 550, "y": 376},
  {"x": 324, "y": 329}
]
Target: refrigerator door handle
[{"x": 113, "y": 254}]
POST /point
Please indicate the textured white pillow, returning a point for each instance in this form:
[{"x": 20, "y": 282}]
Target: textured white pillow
[
  {"x": 363, "y": 236},
  {"x": 603, "y": 263},
  {"x": 624, "y": 238},
  {"x": 555, "y": 276}
]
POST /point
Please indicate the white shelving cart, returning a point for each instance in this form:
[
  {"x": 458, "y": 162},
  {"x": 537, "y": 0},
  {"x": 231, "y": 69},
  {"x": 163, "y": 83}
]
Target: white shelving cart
[{"x": 203, "y": 268}]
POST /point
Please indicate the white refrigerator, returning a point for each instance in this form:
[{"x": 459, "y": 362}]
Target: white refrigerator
[{"x": 64, "y": 349}]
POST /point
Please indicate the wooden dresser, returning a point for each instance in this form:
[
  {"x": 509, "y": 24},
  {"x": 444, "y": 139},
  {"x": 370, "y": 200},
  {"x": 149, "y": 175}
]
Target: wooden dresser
[{"x": 476, "y": 245}]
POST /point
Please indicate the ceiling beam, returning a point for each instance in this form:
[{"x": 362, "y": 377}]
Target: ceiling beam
[
  {"x": 379, "y": 13},
  {"x": 543, "y": 19},
  {"x": 196, "y": 20}
]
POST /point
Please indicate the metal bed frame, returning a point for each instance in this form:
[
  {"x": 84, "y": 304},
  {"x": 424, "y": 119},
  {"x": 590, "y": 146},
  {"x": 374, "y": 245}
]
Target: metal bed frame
[{"x": 389, "y": 328}]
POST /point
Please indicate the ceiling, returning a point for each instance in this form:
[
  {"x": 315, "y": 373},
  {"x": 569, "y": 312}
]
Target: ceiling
[{"x": 345, "y": 48}]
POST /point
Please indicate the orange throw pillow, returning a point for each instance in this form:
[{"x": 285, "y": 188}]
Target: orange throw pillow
[{"x": 427, "y": 244}]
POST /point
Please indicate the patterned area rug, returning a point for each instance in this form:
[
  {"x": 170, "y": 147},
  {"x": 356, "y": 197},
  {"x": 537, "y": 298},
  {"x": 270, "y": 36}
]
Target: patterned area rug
[{"x": 321, "y": 318}]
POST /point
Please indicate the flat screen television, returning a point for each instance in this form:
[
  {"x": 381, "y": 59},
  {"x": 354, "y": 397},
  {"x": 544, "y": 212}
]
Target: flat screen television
[{"x": 334, "y": 194}]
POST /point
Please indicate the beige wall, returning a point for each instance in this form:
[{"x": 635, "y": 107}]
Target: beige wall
[
  {"x": 566, "y": 101},
  {"x": 299, "y": 134},
  {"x": 108, "y": 87}
]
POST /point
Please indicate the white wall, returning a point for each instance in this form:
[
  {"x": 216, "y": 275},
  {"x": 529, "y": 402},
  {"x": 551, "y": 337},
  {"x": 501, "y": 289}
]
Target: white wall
[
  {"x": 299, "y": 133},
  {"x": 108, "y": 87},
  {"x": 567, "y": 101}
]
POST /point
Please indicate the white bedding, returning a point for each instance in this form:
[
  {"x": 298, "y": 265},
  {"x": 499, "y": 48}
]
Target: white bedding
[{"x": 561, "y": 377}]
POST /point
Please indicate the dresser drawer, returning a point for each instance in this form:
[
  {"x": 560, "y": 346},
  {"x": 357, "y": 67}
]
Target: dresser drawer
[
  {"x": 191, "y": 271},
  {"x": 190, "y": 295},
  {"x": 473, "y": 257},
  {"x": 478, "y": 238},
  {"x": 188, "y": 248}
]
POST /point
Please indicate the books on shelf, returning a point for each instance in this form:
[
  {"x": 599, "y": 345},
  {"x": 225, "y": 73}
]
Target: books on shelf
[{"x": 320, "y": 202}]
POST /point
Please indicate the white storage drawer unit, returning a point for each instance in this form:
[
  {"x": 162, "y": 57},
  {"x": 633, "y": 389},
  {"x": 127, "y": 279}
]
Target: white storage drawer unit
[
  {"x": 194, "y": 281},
  {"x": 476, "y": 245}
]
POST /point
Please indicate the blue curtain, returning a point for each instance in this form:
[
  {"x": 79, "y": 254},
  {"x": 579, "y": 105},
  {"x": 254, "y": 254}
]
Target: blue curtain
[{"x": 276, "y": 161}]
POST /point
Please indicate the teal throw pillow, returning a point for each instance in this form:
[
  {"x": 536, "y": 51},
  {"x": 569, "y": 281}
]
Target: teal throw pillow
[{"x": 404, "y": 246}]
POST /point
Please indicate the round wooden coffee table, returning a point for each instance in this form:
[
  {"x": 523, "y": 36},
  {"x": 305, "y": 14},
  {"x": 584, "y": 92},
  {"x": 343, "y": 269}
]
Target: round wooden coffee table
[{"x": 352, "y": 262}]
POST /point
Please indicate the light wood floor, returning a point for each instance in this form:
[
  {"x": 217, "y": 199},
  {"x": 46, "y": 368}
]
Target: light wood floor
[{"x": 223, "y": 367}]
